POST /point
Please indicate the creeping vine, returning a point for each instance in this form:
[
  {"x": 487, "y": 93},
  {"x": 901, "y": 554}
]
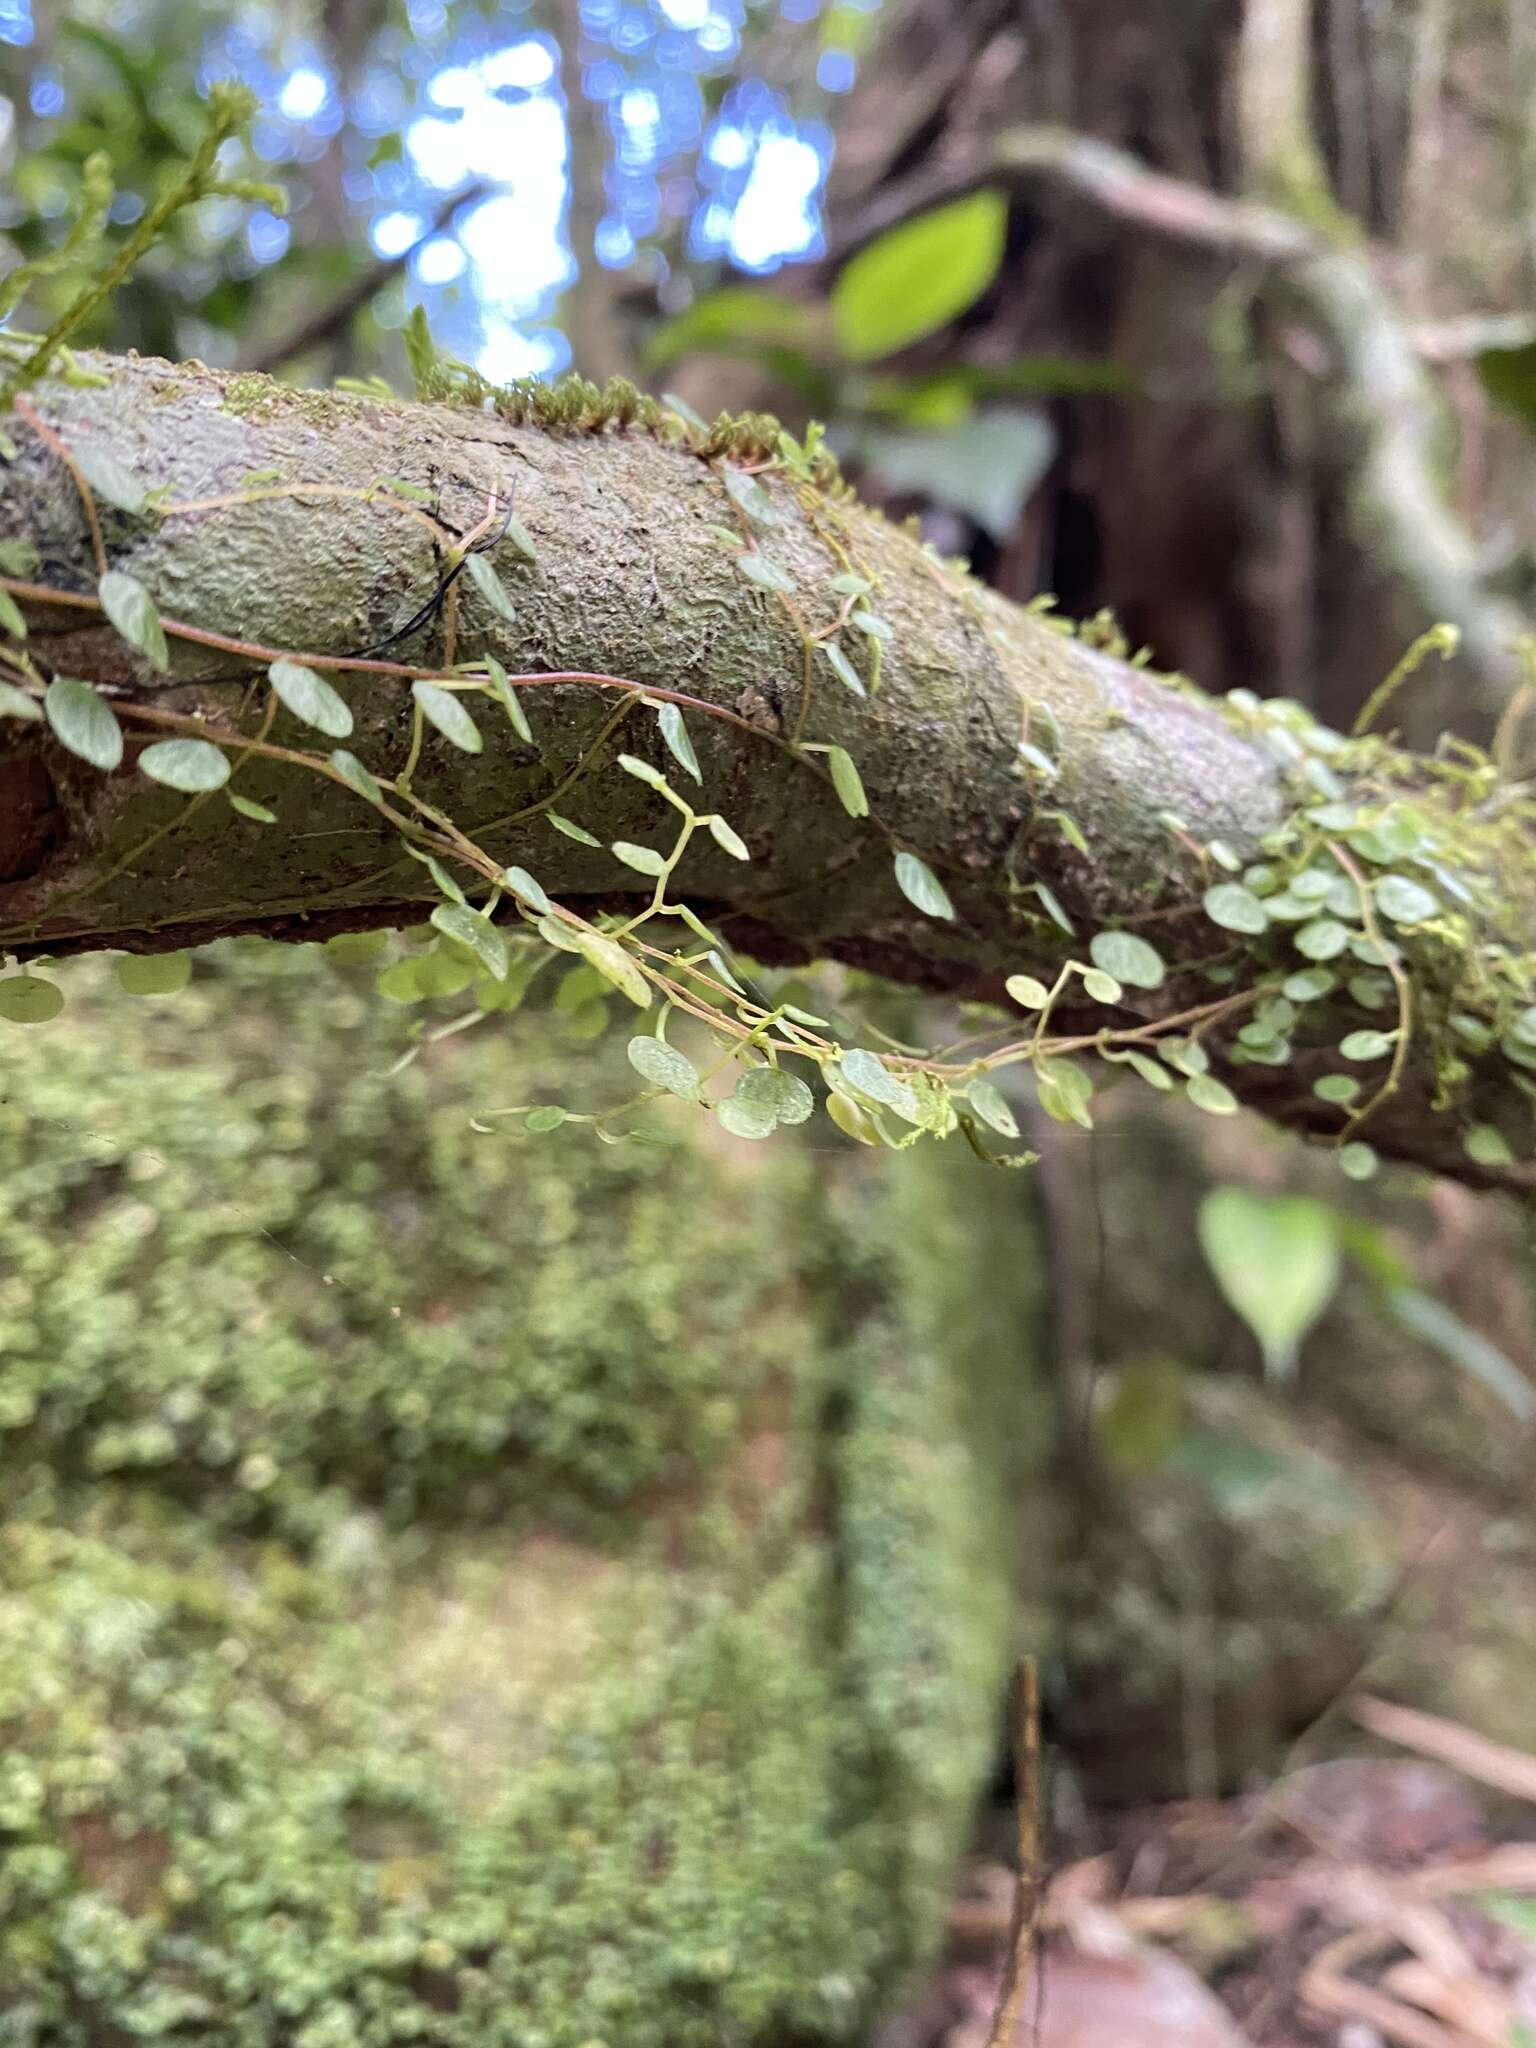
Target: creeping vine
[{"x": 1371, "y": 899}]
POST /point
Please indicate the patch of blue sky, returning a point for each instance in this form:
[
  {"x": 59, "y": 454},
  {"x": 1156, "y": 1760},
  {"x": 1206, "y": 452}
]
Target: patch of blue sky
[{"x": 452, "y": 96}]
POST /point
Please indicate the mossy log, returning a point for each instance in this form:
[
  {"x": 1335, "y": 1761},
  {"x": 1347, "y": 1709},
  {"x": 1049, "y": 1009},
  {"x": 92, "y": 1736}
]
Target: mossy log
[{"x": 277, "y": 523}]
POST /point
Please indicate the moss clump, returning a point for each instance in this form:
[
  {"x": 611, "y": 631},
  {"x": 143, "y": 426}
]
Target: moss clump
[
  {"x": 610, "y": 1645},
  {"x": 285, "y": 1288},
  {"x": 226, "y": 1818}
]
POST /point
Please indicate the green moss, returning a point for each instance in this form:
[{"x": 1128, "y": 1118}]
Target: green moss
[
  {"x": 607, "y": 1648},
  {"x": 294, "y": 1288},
  {"x": 246, "y": 394},
  {"x": 225, "y": 1817}
]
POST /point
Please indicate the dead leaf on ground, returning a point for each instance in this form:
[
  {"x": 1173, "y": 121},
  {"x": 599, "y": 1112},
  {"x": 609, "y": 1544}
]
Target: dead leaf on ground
[{"x": 1148, "y": 1998}]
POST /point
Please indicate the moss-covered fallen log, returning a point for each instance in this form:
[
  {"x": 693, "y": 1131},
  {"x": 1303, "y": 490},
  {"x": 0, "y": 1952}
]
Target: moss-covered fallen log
[{"x": 930, "y": 782}]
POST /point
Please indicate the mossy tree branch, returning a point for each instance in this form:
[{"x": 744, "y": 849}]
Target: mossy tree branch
[{"x": 279, "y": 524}]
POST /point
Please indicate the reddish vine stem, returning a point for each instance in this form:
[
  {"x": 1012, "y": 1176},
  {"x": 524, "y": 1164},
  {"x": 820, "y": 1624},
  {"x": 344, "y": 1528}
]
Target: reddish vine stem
[{"x": 46, "y": 434}]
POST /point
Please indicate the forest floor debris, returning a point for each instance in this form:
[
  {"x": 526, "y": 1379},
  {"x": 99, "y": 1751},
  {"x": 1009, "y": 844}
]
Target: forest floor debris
[{"x": 1376, "y": 1901}]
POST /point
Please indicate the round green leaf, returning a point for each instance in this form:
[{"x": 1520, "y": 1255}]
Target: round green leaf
[
  {"x": 1367, "y": 1045},
  {"x": 664, "y": 1067},
  {"x": 786, "y": 1094},
  {"x": 1211, "y": 1095},
  {"x": 613, "y": 964},
  {"x": 444, "y": 710},
  {"x": 853, "y": 1119},
  {"x": 257, "y": 813},
  {"x": 1307, "y": 984},
  {"x": 867, "y": 1074},
  {"x": 352, "y": 949},
  {"x": 843, "y": 668},
  {"x": 352, "y": 772},
  {"x": 922, "y": 887},
  {"x": 766, "y": 575},
  {"x": 726, "y": 837},
  {"x": 1339, "y": 1088},
  {"x": 746, "y": 492},
  {"x": 1028, "y": 993},
  {"x": 1064, "y": 1092},
  {"x": 470, "y": 929},
  {"x": 154, "y": 974},
  {"x": 1405, "y": 901},
  {"x": 847, "y": 781},
  {"x": 991, "y": 1105},
  {"x": 1235, "y": 908},
  {"x": 399, "y": 982},
  {"x": 1485, "y": 1144},
  {"x": 190, "y": 765},
  {"x": 111, "y": 480},
  {"x": 83, "y": 721},
  {"x": 29, "y": 999},
  {"x": 549, "y": 1118},
  {"x": 746, "y": 1117},
  {"x": 445, "y": 971},
  {"x": 132, "y": 611},
  {"x": 1188, "y": 1055},
  {"x": 1323, "y": 939},
  {"x": 1313, "y": 884},
  {"x": 1102, "y": 987},
  {"x": 526, "y": 889},
  {"x": 310, "y": 698},
  {"x": 1357, "y": 1161},
  {"x": 917, "y": 277},
  {"x": 1128, "y": 958}
]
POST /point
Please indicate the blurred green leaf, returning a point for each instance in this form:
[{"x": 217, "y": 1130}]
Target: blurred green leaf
[
  {"x": 1276, "y": 1259},
  {"x": 986, "y": 467},
  {"x": 1465, "y": 1347},
  {"x": 1141, "y": 1417},
  {"x": 917, "y": 277},
  {"x": 732, "y": 318},
  {"x": 1508, "y": 375}
]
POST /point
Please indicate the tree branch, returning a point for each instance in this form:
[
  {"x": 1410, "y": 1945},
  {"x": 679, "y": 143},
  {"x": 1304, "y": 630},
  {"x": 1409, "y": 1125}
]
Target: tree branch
[{"x": 281, "y": 529}]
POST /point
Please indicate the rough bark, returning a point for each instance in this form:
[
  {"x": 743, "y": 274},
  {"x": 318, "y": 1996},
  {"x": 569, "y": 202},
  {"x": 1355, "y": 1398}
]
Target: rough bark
[{"x": 634, "y": 584}]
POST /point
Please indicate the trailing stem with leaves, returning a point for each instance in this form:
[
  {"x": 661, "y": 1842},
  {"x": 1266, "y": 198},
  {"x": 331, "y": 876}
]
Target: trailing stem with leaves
[{"x": 556, "y": 671}]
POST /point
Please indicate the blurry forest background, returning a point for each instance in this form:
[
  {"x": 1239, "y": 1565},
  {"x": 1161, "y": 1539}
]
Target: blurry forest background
[{"x": 476, "y": 1590}]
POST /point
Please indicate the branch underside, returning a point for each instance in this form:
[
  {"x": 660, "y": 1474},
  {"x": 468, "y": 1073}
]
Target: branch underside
[{"x": 279, "y": 526}]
